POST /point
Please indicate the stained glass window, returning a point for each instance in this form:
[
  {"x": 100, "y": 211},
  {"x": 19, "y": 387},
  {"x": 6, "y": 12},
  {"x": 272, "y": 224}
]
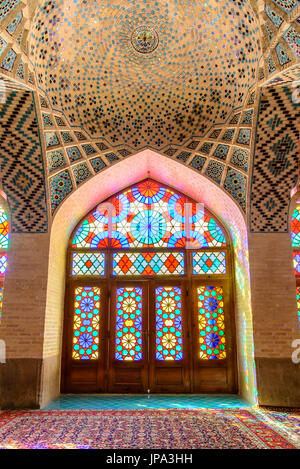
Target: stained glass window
[
  {"x": 211, "y": 322},
  {"x": 168, "y": 307},
  {"x": 147, "y": 230},
  {"x": 4, "y": 241},
  {"x": 88, "y": 263},
  {"x": 3, "y": 264},
  {"x": 209, "y": 262},
  {"x": 148, "y": 263},
  {"x": 129, "y": 324},
  {"x": 295, "y": 227},
  {"x": 298, "y": 303},
  {"x": 149, "y": 215},
  {"x": 296, "y": 256},
  {"x": 4, "y": 233},
  {"x": 86, "y": 323},
  {"x": 1, "y": 298},
  {"x": 295, "y": 234}
]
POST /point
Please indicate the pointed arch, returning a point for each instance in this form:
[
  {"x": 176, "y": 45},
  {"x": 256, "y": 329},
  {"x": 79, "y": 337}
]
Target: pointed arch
[{"x": 114, "y": 179}]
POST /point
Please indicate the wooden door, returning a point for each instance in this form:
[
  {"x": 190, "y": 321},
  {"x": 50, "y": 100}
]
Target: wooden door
[
  {"x": 214, "y": 368},
  {"x": 168, "y": 333},
  {"x": 129, "y": 338},
  {"x": 85, "y": 338}
]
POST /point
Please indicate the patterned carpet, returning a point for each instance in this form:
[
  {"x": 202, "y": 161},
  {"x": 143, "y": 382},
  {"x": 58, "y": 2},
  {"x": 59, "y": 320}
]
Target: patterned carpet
[{"x": 141, "y": 429}]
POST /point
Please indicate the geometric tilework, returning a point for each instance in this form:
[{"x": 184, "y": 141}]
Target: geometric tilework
[
  {"x": 3, "y": 44},
  {"x": 270, "y": 64},
  {"x": 275, "y": 165},
  {"x": 282, "y": 54},
  {"x": 6, "y": 7},
  {"x": 9, "y": 60},
  {"x": 221, "y": 151},
  {"x": 47, "y": 120},
  {"x": 97, "y": 164},
  {"x": 89, "y": 149},
  {"x": 228, "y": 135},
  {"x": 247, "y": 117},
  {"x": 235, "y": 119},
  {"x": 74, "y": 154},
  {"x": 20, "y": 73},
  {"x": 206, "y": 147},
  {"x": 240, "y": 158},
  {"x": 11, "y": 28},
  {"x": 214, "y": 171},
  {"x": 194, "y": 79},
  {"x": 21, "y": 163},
  {"x": 236, "y": 184},
  {"x": 276, "y": 19},
  {"x": 60, "y": 186},
  {"x": 198, "y": 162},
  {"x": 51, "y": 139},
  {"x": 55, "y": 160},
  {"x": 81, "y": 172},
  {"x": 287, "y": 5},
  {"x": 67, "y": 137},
  {"x": 293, "y": 39},
  {"x": 112, "y": 157},
  {"x": 244, "y": 136}
]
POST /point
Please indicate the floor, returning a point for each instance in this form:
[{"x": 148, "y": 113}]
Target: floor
[
  {"x": 146, "y": 428},
  {"x": 144, "y": 401}
]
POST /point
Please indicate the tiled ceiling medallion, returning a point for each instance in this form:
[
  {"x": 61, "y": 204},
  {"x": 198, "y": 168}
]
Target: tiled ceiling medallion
[{"x": 144, "y": 39}]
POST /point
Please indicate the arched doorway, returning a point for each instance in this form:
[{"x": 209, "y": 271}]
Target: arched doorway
[{"x": 148, "y": 299}]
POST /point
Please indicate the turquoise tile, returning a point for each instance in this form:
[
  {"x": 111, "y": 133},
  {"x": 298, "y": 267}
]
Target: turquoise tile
[{"x": 144, "y": 401}]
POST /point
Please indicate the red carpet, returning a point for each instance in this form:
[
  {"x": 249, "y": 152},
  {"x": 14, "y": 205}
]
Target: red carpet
[{"x": 168, "y": 429}]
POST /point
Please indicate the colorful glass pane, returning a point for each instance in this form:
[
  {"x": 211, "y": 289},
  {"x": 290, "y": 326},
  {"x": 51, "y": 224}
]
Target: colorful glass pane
[
  {"x": 295, "y": 227},
  {"x": 129, "y": 324},
  {"x": 211, "y": 322},
  {"x": 4, "y": 236},
  {"x": 1, "y": 297},
  {"x": 88, "y": 263},
  {"x": 148, "y": 263},
  {"x": 296, "y": 256},
  {"x": 168, "y": 308},
  {"x": 148, "y": 215},
  {"x": 3, "y": 264},
  {"x": 209, "y": 262},
  {"x": 86, "y": 323},
  {"x": 298, "y": 303}
]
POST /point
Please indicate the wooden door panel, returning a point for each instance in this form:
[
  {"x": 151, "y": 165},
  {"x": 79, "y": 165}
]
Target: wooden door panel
[
  {"x": 168, "y": 333},
  {"x": 213, "y": 351},
  {"x": 84, "y": 356},
  {"x": 128, "y": 363}
]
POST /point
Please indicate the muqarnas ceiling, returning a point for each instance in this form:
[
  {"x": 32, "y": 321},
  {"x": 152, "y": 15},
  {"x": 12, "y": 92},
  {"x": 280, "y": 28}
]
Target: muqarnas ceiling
[{"x": 145, "y": 73}]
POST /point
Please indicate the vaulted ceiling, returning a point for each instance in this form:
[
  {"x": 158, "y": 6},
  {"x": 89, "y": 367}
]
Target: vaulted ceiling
[
  {"x": 189, "y": 79},
  {"x": 145, "y": 72}
]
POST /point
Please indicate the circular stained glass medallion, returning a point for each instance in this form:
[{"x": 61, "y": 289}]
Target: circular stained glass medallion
[{"x": 144, "y": 39}]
